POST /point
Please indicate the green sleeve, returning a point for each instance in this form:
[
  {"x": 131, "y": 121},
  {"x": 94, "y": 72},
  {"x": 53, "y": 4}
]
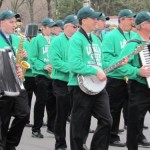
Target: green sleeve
[
  {"x": 129, "y": 70},
  {"x": 108, "y": 51},
  {"x": 76, "y": 60},
  {"x": 34, "y": 56},
  {"x": 55, "y": 53}
]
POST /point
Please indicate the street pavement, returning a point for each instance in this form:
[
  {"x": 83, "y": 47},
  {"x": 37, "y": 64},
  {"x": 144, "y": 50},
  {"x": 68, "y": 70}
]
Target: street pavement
[{"x": 47, "y": 143}]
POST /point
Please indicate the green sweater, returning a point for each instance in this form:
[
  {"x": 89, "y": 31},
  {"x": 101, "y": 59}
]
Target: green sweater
[
  {"x": 80, "y": 56},
  {"x": 58, "y": 53},
  {"x": 15, "y": 42},
  {"x": 112, "y": 45},
  {"x": 39, "y": 57},
  {"x": 131, "y": 70},
  {"x": 27, "y": 48}
]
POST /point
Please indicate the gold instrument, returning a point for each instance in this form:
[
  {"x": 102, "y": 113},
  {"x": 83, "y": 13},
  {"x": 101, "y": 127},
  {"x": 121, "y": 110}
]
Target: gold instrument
[
  {"x": 126, "y": 79},
  {"x": 19, "y": 58}
]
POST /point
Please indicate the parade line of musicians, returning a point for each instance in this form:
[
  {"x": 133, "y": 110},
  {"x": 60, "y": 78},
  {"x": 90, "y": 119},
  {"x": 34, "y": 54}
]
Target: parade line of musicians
[{"x": 60, "y": 51}]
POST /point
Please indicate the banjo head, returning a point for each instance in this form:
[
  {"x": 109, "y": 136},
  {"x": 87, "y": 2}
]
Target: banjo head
[{"x": 91, "y": 85}]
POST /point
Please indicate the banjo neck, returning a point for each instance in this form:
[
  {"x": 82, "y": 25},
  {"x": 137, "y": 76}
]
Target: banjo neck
[{"x": 118, "y": 64}]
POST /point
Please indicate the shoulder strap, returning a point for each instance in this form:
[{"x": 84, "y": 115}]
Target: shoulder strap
[{"x": 135, "y": 40}]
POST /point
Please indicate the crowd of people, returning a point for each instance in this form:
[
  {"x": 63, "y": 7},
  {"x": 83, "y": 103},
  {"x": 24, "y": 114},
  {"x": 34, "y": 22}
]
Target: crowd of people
[{"x": 82, "y": 44}]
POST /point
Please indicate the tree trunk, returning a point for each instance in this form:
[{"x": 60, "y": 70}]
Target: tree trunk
[{"x": 49, "y": 8}]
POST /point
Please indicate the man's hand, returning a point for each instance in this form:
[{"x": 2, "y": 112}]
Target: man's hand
[
  {"x": 19, "y": 71},
  {"x": 145, "y": 71},
  {"x": 48, "y": 68},
  {"x": 124, "y": 61},
  {"x": 24, "y": 54},
  {"x": 101, "y": 75}
]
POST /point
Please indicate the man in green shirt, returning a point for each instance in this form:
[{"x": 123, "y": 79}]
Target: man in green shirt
[
  {"x": 116, "y": 85},
  {"x": 58, "y": 53},
  {"x": 85, "y": 50},
  {"x": 137, "y": 72},
  {"x": 9, "y": 105},
  {"x": 42, "y": 68}
]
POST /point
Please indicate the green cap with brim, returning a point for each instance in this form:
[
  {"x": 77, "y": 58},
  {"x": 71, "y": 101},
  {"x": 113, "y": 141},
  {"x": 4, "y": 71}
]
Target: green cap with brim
[
  {"x": 71, "y": 19},
  {"x": 126, "y": 13},
  {"x": 7, "y": 14},
  {"x": 103, "y": 17},
  {"x": 60, "y": 23},
  {"x": 88, "y": 12},
  {"x": 141, "y": 17},
  {"x": 48, "y": 22}
]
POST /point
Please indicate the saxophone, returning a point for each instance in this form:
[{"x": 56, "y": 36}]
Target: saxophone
[{"x": 19, "y": 59}]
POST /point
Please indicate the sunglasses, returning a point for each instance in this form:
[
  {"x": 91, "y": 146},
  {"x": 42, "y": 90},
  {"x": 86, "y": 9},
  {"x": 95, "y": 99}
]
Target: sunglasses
[{"x": 75, "y": 26}]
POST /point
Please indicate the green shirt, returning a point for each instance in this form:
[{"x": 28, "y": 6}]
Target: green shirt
[
  {"x": 58, "y": 53},
  {"x": 131, "y": 70},
  {"x": 81, "y": 57},
  {"x": 39, "y": 56},
  {"x": 112, "y": 45},
  {"x": 27, "y": 48}
]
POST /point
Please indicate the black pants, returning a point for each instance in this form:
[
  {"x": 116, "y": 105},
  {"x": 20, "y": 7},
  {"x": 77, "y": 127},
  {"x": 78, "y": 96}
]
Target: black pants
[
  {"x": 30, "y": 87},
  {"x": 118, "y": 95},
  {"x": 17, "y": 107},
  {"x": 44, "y": 98},
  {"x": 84, "y": 106},
  {"x": 139, "y": 104},
  {"x": 62, "y": 111}
]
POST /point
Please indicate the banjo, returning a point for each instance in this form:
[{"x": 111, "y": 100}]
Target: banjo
[{"x": 91, "y": 85}]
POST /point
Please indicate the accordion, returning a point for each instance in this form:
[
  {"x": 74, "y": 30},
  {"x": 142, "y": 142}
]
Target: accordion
[
  {"x": 145, "y": 59},
  {"x": 9, "y": 81}
]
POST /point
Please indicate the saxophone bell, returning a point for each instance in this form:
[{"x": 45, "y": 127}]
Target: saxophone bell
[{"x": 25, "y": 65}]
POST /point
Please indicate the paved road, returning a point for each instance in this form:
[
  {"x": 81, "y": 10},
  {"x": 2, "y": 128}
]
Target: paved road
[{"x": 48, "y": 142}]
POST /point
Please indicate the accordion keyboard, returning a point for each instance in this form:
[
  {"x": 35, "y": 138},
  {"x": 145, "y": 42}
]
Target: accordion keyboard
[{"x": 145, "y": 59}]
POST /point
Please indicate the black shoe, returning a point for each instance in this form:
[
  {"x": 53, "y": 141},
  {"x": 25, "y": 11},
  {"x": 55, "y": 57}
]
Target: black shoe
[
  {"x": 117, "y": 144},
  {"x": 91, "y": 131},
  {"x": 10, "y": 147},
  {"x": 85, "y": 147},
  {"x": 145, "y": 127},
  {"x": 29, "y": 125},
  {"x": 50, "y": 131},
  {"x": 120, "y": 130},
  {"x": 144, "y": 142},
  {"x": 37, "y": 135}
]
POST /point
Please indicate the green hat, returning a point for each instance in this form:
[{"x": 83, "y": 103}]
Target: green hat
[
  {"x": 71, "y": 19},
  {"x": 126, "y": 13},
  {"x": 60, "y": 23},
  {"x": 142, "y": 17},
  {"x": 103, "y": 17},
  {"x": 7, "y": 14},
  {"x": 88, "y": 12},
  {"x": 48, "y": 22}
]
